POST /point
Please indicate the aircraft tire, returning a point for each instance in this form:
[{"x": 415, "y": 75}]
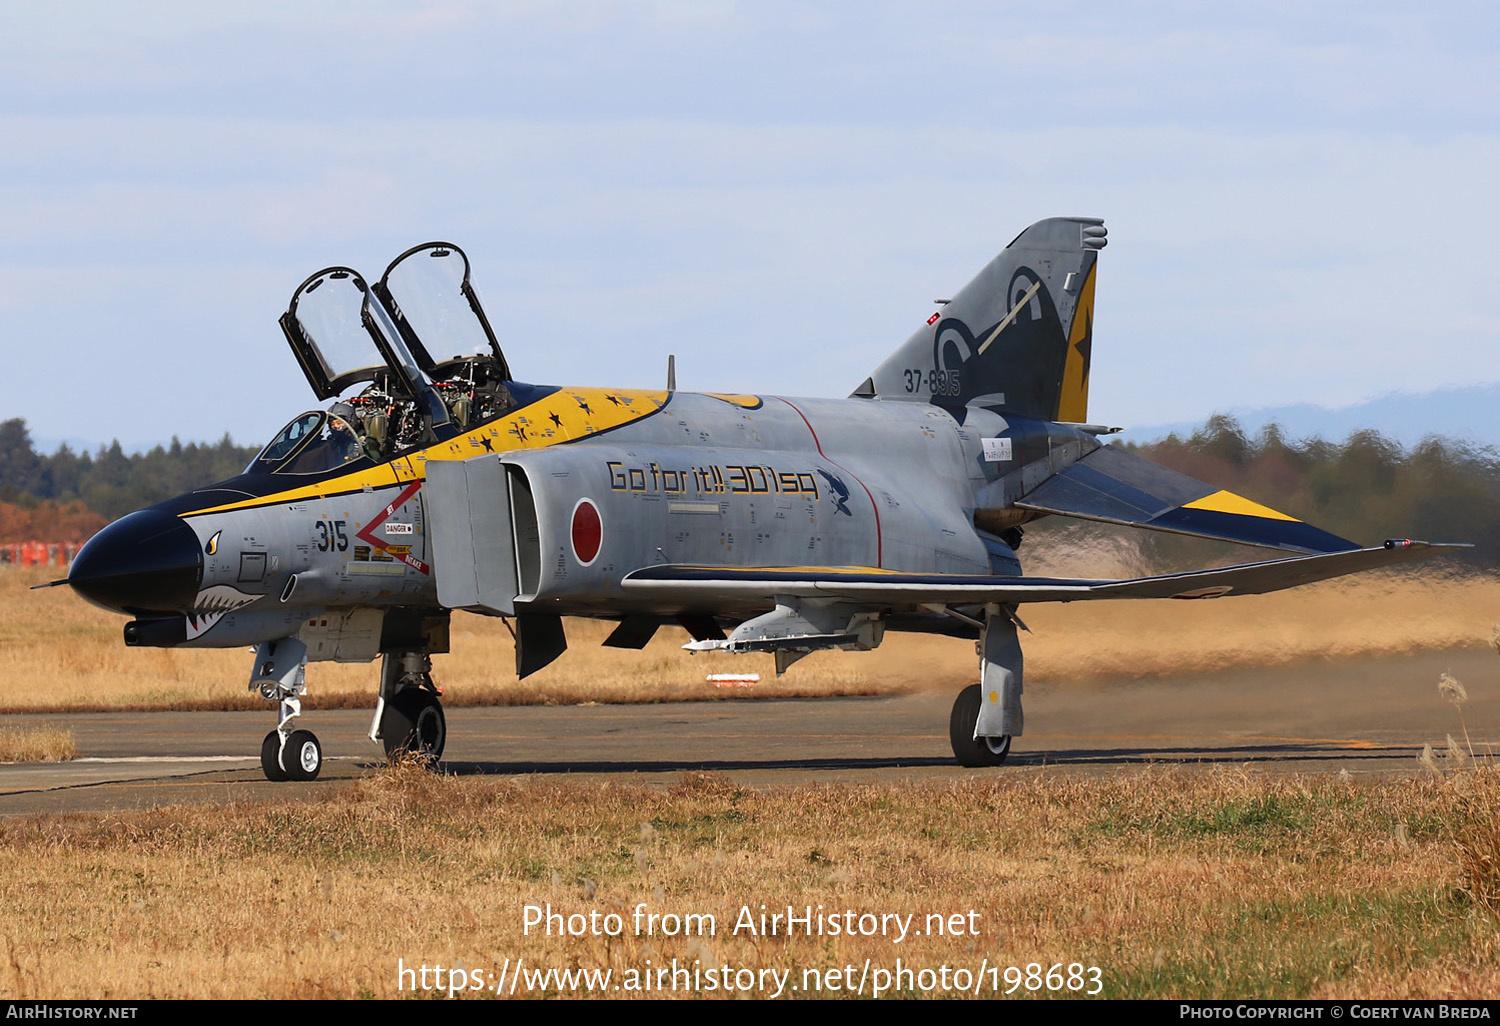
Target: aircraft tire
[
  {"x": 303, "y": 756},
  {"x": 270, "y": 758},
  {"x": 413, "y": 723},
  {"x": 967, "y": 749}
]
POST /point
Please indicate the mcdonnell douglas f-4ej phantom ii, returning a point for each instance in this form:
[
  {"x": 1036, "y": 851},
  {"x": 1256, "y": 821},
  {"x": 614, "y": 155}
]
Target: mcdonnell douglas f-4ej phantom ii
[{"x": 435, "y": 481}]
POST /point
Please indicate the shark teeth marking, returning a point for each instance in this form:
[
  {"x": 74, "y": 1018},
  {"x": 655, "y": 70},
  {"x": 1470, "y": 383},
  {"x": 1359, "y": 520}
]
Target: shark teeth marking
[
  {"x": 200, "y": 624},
  {"x": 212, "y": 605},
  {"x": 222, "y": 598}
]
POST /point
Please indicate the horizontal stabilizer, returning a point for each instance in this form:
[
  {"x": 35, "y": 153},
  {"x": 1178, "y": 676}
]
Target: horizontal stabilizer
[
  {"x": 1117, "y": 487},
  {"x": 729, "y": 586}
]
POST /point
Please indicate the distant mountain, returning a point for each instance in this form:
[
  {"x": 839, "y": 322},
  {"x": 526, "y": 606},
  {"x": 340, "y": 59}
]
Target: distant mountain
[{"x": 1471, "y": 414}]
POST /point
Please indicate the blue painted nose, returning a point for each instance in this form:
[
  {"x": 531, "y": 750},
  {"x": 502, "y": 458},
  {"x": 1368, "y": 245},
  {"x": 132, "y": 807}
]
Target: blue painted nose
[{"x": 147, "y": 562}]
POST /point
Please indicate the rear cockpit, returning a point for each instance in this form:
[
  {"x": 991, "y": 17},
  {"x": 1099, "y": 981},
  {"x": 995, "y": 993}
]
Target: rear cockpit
[
  {"x": 411, "y": 358},
  {"x": 436, "y": 310}
]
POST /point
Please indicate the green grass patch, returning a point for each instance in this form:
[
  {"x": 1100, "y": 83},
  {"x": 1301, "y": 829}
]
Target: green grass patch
[{"x": 1276, "y": 950}]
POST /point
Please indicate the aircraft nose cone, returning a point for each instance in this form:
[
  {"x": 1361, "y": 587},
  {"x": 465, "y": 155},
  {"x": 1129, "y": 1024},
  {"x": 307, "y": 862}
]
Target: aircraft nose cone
[{"x": 149, "y": 561}]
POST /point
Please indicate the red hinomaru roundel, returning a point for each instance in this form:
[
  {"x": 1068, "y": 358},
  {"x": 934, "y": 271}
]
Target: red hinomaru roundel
[{"x": 587, "y": 532}]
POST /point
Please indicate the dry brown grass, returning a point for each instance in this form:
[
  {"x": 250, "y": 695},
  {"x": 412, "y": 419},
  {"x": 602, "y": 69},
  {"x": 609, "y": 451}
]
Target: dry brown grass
[
  {"x": 1472, "y": 778},
  {"x": 1477, "y": 839},
  {"x": 1175, "y": 884},
  {"x": 65, "y": 654},
  {"x": 36, "y": 744}
]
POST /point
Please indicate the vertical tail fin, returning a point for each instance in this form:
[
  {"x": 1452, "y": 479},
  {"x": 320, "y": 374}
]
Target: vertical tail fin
[{"x": 1018, "y": 337}]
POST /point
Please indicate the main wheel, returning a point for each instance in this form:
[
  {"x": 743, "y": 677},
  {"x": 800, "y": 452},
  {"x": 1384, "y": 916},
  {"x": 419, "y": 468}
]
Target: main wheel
[
  {"x": 270, "y": 758},
  {"x": 413, "y": 722},
  {"x": 302, "y": 757},
  {"x": 969, "y": 750}
]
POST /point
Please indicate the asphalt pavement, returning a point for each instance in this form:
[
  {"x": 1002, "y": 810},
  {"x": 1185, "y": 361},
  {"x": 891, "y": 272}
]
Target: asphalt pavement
[{"x": 1370, "y": 716}]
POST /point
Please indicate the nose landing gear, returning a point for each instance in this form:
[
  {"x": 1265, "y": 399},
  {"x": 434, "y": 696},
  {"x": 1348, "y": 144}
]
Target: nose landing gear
[{"x": 280, "y": 675}]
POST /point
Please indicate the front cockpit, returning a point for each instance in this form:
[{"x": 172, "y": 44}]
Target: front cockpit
[{"x": 315, "y": 443}]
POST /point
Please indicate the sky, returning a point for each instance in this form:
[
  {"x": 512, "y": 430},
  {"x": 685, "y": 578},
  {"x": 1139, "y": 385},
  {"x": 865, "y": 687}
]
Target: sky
[{"x": 1300, "y": 203}]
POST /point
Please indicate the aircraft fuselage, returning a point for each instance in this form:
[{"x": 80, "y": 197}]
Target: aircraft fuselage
[{"x": 603, "y": 482}]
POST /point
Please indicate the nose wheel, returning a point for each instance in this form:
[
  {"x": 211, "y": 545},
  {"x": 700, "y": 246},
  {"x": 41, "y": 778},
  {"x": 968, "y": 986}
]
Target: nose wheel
[{"x": 299, "y": 758}]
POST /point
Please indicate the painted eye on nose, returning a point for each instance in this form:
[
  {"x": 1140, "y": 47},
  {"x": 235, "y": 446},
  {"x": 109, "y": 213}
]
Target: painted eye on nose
[{"x": 213, "y": 544}]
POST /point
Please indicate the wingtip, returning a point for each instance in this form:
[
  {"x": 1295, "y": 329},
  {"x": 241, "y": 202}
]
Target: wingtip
[{"x": 1412, "y": 543}]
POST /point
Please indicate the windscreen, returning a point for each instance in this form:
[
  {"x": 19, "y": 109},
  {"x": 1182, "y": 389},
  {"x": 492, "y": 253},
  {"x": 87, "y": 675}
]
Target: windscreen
[
  {"x": 289, "y": 438},
  {"x": 313, "y": 443}
]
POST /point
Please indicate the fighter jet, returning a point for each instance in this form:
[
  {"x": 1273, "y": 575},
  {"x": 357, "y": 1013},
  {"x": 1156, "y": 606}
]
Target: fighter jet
[{"x": 434, "y": 481}]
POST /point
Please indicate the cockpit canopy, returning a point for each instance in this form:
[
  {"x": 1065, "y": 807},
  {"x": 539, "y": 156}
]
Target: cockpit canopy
[
  {"x": 419, "y": 325},
  {"x": 325, "y": 326},
  {"x": 428, "y": 293},
  {"x": 313, "y": 443},
  {"x": 416, "y": 342}
]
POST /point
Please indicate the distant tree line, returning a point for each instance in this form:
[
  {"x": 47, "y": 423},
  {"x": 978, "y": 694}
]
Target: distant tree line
[
  {"x": 109, "y": 482},
  {"x": 1367, "y": 488}
]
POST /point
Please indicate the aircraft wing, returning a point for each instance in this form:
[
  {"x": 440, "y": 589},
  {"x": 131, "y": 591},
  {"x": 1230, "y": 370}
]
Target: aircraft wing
[
  {"x": 1117, "y": 487},
  {"x": 728, "y": 587}
]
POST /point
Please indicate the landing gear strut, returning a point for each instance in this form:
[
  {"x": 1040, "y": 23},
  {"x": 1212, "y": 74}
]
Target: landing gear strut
[
  {"x": 280, "y": 675},
  {"x": 988, "y": 714},
  {"x": 409, "y": 717}
]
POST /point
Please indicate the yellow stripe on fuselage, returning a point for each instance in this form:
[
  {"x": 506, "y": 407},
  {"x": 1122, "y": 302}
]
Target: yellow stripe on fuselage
[
  {"x": 564, "y": 416},
  {"x": 746, "y": 402},
  {"x": 1228, "y": 502}
]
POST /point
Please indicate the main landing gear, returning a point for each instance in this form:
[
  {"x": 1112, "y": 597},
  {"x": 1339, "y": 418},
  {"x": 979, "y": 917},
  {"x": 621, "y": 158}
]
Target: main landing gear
[
  {"x": 987, "y": 715},
  {"x": 280, "y": 675},
  {"x": 409, "y": 717}
]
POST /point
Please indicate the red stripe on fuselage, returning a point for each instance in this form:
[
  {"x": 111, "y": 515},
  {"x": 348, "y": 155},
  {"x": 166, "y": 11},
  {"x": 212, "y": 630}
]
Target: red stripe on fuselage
[
  {"x": 366, "y": 534},
  {"x": 879, "y": 545}
]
